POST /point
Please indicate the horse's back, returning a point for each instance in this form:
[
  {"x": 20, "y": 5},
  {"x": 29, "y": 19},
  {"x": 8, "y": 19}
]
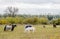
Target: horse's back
[{"x": 27, "y": 26}]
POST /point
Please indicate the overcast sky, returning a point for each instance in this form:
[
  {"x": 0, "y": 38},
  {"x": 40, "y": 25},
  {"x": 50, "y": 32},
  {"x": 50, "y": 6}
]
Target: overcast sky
[{"x": 30, "y": 4}]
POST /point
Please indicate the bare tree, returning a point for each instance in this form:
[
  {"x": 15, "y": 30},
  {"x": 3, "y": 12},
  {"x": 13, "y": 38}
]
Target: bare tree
[{"x": 11, "y": 11}]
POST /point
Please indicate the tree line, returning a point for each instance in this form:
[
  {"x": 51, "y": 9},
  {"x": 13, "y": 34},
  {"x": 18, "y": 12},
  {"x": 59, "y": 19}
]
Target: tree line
[{"x": 11, "y": 16}]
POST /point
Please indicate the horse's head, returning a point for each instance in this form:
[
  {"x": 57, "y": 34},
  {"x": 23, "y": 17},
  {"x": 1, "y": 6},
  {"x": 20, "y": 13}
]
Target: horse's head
[{"x": 14, "y": 25}]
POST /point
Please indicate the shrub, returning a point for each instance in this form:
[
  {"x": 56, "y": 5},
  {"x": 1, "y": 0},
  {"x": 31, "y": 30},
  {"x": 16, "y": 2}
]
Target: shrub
[{"x": 43, "y": 20}]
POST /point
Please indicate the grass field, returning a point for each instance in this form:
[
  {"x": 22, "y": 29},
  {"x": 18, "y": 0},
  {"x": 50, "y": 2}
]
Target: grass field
[{"x": 41, "y": 33}]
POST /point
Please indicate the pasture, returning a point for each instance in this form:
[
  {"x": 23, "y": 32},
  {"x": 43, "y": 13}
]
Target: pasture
[{"x": 41, "y": 33}]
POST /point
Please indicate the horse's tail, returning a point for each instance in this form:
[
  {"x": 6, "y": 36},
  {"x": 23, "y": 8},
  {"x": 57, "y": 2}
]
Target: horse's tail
[{"x": 5, "y": 28}]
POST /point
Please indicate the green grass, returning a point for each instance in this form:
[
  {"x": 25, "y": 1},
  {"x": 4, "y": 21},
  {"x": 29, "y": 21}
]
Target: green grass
[{"x": 41, "y": 33}]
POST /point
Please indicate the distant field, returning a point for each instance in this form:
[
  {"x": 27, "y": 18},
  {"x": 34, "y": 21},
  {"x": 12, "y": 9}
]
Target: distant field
[{"x": 41, "y": 33}]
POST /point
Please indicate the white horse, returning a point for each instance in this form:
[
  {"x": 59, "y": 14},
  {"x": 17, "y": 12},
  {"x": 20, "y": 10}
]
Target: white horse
[
  {"x": 29, "y": 28},
  {"x": 9, "y": 27}
]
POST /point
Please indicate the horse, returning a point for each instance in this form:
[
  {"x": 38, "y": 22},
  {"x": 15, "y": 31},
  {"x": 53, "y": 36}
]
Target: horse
[
  {"x": 29, "y": 28},
  {"x": 54, "y": 25},
  {"x": 9, "y": 27},
  {"x": 43, "y": 26}
]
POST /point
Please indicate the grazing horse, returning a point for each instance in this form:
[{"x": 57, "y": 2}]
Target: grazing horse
[
  {"x": 54, "y": 25},
  {"x": 9, "y": 27},
  {"x": 43, "y": 26},
  {"x": 29, "y": 28}
]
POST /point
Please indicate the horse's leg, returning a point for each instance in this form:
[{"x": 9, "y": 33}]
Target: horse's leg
[
  {"x": 5, "y": 28},
  {"x": 12, "y": 29},
  {"x": 33, "y": 29},
  {"x": 27, "y": 31}
]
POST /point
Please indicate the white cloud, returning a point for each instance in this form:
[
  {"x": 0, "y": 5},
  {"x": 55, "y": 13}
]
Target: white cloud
[
  {"x": 21, "y": 4},
  {"x": 25, "y": 5}
]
